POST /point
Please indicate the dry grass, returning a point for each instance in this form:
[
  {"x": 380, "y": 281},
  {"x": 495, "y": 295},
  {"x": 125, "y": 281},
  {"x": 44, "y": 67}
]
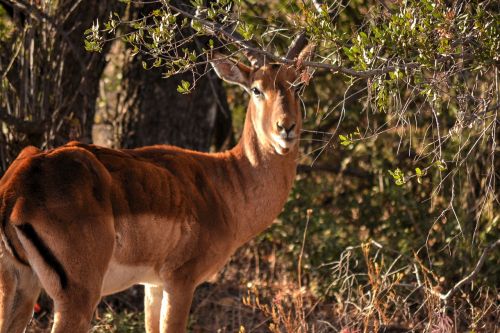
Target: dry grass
[{"x": 368, "y": 291}]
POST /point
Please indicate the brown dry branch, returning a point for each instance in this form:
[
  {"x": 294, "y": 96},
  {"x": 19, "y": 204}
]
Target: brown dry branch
[
  {"x": 25, "y": 126},
  {"x": 39, "y": 15},
  {"x": 231, "y": 35},
  {"x": 470, "y": 278}
]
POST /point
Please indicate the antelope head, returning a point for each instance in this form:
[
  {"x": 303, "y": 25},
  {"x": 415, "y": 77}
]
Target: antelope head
[{"x": 274, "y": 105}]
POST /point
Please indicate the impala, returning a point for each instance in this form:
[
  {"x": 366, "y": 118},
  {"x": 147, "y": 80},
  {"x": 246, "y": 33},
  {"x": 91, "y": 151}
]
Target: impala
[{"x": 83, "y": 221}]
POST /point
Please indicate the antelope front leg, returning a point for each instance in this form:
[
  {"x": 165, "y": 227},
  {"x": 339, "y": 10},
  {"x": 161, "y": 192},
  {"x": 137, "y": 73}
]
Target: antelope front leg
[
  {"x": 153, "y": 296},
  {"x": 177, "y": 298}
]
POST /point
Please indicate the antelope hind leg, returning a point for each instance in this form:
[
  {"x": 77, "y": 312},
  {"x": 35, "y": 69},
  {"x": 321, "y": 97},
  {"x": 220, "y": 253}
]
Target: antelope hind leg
[
  {"x": 70, "y": 264},
  {"x": 74, "y": 314},
  {"x": 19, "y": 290}
]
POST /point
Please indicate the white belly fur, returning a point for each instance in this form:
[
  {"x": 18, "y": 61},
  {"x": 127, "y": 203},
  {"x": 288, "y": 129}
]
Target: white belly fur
[{"x": 120, "y": 277}]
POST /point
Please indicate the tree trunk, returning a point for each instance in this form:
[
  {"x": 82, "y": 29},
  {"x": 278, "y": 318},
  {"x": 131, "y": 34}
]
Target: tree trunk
[
  {"x": 155, "y": 113},
  {"x": 52, "y": 81},
  {"x": 82, "y": 70}
]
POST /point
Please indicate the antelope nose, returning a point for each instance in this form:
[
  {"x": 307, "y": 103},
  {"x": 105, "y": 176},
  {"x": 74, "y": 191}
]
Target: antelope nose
[{"x": 286, "y": 133}]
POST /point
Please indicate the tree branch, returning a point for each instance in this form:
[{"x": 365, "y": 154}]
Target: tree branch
[
  {"x": 28, "y": 127},
  {"x": 39, "y": 15},
  {"x": 358, "y": 173},
  {"x": 234, "y": 37},
  {"x": 469, "y": 278}
]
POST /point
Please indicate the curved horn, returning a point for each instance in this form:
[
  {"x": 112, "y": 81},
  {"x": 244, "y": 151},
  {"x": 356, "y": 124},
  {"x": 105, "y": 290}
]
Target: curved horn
[
  {"x": 256, "y": 59},
  {"x": 297, "y": 45}
]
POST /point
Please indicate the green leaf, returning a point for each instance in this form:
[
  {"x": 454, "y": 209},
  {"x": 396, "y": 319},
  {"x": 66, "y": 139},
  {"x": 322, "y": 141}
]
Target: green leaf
[
  {"x": 345, "y": 140},
  {"x": 196, "y": 26},
  {"x": 192, "y": 56},
  {"x": 440, "y": 165},
  {"x": 92, "y": 46},
  {"x": 246, "y": 30},
  {"x": 183, "y": 88},
  {"x": 157, "y": 62},
  {"x": 398, "y": 175}
]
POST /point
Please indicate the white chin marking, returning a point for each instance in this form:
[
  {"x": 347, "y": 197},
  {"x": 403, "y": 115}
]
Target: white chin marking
[
  {"x": 282, "y": 151},
  {"x": 281, "y": 146}
]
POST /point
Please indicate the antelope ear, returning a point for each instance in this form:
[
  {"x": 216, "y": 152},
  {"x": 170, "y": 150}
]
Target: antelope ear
[{"x": 231, "y": 71}]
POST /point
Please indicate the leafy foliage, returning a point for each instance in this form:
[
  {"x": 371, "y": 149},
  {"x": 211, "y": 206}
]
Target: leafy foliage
[
  {"x": 401, "y": 140},
  {"x": 410, "y": 90}
]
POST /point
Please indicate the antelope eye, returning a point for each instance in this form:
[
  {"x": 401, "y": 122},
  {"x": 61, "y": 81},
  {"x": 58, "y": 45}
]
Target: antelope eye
[{"x": 256, "y": 91}]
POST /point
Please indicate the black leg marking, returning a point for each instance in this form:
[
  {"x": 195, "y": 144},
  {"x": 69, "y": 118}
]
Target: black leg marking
[{"x": 45, "y": 252}]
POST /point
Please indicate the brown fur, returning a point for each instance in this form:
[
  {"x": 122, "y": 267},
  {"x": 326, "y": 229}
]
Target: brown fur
[{"x": 83, "y": 221}]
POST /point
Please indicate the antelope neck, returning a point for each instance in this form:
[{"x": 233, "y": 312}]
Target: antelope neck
[{"x": 268, "y": 178}]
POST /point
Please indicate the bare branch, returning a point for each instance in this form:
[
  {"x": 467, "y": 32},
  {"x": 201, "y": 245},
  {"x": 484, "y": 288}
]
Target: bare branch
[
  {"x": 469, "y": 278},
  {"x": 318, "y": 5},
  {"x": 28, "y": 127},
  {"x": 39, "y": 15},
  {"x": 247, "y": 46},
  {"x": 257, "y": 59},
  {"x": 12, "y": 59},
  {"x": 383, "y": 4},
  {"x": 358, "y": 173}
]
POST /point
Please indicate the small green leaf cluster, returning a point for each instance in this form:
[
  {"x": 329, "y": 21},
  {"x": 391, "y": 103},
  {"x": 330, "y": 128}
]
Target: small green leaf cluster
[
  {"x": 419, "y": 173},
  {"x": 93, "y": 38},
  {"x": 349, "y": 139},
  {"x": 184, "y": 87},
  {"x": 398, "y": 176}
]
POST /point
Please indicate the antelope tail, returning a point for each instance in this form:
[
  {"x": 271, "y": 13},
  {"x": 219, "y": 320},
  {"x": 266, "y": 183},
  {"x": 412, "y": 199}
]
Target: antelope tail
[{"x": 8, "y": 235}]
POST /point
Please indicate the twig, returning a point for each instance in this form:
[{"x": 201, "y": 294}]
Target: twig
[
  {"x": 299, "y": 269},
  {"x": 39, "y": 15},
  {"x": 28, "y": 127},
  {"x": 248, "y": 46},
  {"x": 227, "y": 32},
  {"x": 13, "y": 59},
  {"x": 358, "y": 173},
  {"x": 383, "y": 4},
  {"x": 469, "y": 278}
]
